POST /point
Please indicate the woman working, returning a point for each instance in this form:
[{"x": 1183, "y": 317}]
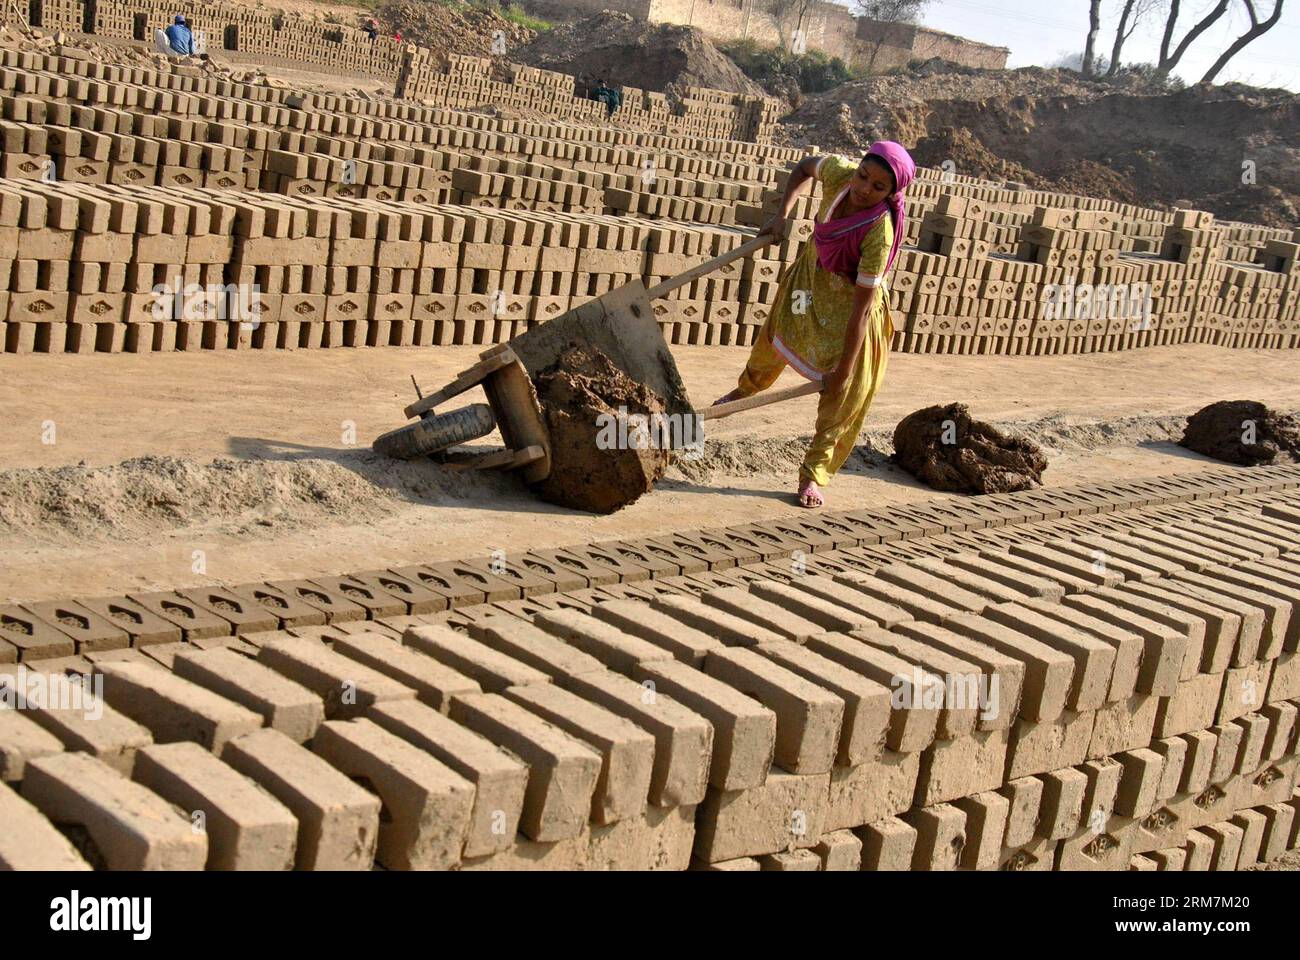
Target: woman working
[{"x": 831, "y": 318}]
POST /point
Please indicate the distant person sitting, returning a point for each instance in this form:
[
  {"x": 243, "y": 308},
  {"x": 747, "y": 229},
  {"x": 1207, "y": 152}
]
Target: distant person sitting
[
  {"x": 613, "y": 101},
  {"x": 371, "y": 28},
  {"x": 179, "y": 37},
  {"x": 604, "y": 93},
  {"x": 611, "y": 98}
]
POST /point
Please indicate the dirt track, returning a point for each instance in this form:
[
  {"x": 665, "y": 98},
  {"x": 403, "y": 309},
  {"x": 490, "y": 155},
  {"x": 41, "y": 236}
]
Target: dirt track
[{"x": 288, "y": 495}]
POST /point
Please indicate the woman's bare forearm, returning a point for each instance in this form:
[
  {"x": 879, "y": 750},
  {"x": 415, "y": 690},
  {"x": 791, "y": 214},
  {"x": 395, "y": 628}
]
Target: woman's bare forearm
[{"x": 804, "y": 171}]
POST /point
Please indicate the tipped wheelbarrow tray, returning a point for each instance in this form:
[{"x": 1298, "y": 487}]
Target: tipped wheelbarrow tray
[{"x": 620, "y": 323}]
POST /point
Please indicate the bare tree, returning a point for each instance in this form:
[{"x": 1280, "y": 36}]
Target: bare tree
[
  {"x": 1169, "y": 59},
  {"x": 790, "y": 17},
  {"x": 891, "y": 11},
  {"x": 1257, "y": 28},
  {"x": 887, "y": 11},
  {"x": 1090, "y": 45},
  {"x": 1133, "y": 12}
]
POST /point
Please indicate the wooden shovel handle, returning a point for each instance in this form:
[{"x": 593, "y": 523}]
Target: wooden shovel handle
[
  {"x": 708, "y": 266},
  {"x": 757, "y": 400}
]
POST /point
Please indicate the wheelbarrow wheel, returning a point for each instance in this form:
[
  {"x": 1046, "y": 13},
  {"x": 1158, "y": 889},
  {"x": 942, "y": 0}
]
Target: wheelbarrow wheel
[{"x": 437, "y": 432}]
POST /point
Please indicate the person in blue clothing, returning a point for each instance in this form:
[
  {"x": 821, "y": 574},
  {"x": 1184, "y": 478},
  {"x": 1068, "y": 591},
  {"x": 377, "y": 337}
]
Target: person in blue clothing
[
  {"x": 180, "y": 38},
  {"x": 611, "y": 98}
]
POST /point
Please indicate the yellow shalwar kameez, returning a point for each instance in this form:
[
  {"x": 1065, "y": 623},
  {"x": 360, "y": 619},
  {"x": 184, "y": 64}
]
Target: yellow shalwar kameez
[{"x": 807, "y": 326}]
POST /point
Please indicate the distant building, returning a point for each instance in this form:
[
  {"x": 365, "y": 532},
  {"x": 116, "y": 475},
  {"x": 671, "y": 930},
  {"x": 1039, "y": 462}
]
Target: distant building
[{"x": 793, "y": 24}]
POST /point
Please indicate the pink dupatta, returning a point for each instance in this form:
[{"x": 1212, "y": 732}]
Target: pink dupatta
[{"x": 839, "y": 242}]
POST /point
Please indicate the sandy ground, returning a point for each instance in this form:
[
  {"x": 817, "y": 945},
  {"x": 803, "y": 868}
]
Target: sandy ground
[{"x": 269, "y": 474}]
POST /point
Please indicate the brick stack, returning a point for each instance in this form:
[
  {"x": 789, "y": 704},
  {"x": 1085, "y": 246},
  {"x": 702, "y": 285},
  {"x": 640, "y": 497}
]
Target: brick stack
[
  {"x": 1240, "y": 241},
  {"x": 988, "y": 274},
  {"x": 707, "y": 310},
  {"x": 1252, "y": 305},
  {"x": 965, "y": 301},
  {"x": 1101, "y": 677},
  {"x": 52, "y": 15},
  {"x": 330, "y": 48},
  {"x": 673, "y": 198},
  {"x": 512, "y": 185},
  {"x": 462, "y": 82}
]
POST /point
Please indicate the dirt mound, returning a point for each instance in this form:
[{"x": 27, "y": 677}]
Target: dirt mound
[
  {"x": 944, "y": 448},
  {"x": 451, "y": 27},
  {"x": 139, "y": 497},
  {"x": 968, "y": 155},
  {"x": 1242, "y": 431},
  {"x": 630, "y": 52},
  {"x": 1128, "y": 140},
  {"x": 596, "y": 464}
]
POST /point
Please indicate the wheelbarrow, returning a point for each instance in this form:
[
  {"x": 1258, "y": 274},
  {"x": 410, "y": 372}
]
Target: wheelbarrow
[{"x": 620, "y": 323}]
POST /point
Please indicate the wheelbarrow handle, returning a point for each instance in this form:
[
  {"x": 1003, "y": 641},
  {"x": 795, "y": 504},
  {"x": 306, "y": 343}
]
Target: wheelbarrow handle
[
  {"x": 719, "y": 410},
  {"x": 708, "y": 266}
]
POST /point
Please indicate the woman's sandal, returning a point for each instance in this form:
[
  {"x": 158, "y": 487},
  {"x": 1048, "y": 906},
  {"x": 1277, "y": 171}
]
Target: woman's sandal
[
  {"x": 727, "y": 398},
  {"x": 810, "y": 496}
]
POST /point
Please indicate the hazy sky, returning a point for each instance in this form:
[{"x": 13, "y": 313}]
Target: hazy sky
[{"x": 1039, "y": 33}]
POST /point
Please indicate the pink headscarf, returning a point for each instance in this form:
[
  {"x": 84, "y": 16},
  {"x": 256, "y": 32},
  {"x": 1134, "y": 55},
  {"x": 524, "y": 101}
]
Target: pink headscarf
[{"x": 839, "y": 242}]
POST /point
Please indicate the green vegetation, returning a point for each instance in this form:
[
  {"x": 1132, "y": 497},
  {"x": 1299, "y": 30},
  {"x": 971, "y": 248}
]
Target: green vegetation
[
  {"x": 517, "y": 14},
  {"x": 510, "y": 11},
  {"x": 775, "y": 69},
  {"x": 1148, "y": 72}
]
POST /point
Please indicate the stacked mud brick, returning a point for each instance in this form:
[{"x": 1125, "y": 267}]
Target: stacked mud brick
[
  {"x": 1102, "y": 677},
  {"x": 334, "y": 47},
  {"x": 1242, "y": 242},
  {"x": 709, "y": 309},
  {"x": 514, "y": 185},
  {"x": 69, "y": 15},
  {"x": 463, "y": 82},
  {"x": 94, "y": 268},
  {"x": 493, "y": 282},
  {"x": 231, "y": 114},
  {"x": 672, "y": 198},
  {"x": 1066, "y": 279},
  {"x": 217, "y": 27},
  {"x": 44, "y": 142},
  {"x": 1252, "y": 304},
  {"x": 312, "y": 166},
  {"x": 1009, "y": 206},
  {"x": 974, "y": 277},
  {"x": 341, "y": 273}
]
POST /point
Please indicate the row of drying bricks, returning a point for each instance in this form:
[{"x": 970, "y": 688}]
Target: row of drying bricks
[
  {"x": 472, "y": 130},
  {"x": 579, "y": 576},
  {"x": 616, "y": 782},
  {"x": 49, "y": 72}
]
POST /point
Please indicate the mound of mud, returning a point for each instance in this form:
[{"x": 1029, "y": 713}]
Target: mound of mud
[
  {"x": 452, "y": 28},
  {"x": 629, "y": 52},
  {"x": 1131, "y": 141},
  {"x": 944, "y": 448},
  {"x": 1242, "y": 431},
  {"x": 596, "y": 466}
]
